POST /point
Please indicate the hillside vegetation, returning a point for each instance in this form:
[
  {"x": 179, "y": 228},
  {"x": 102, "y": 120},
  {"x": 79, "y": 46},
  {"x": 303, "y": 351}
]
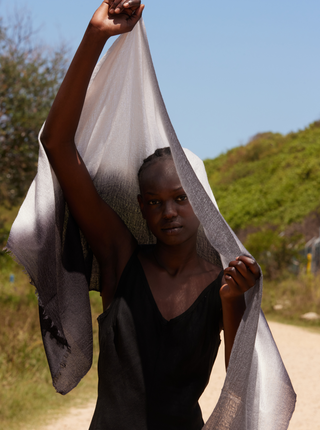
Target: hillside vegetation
[{"x": 273, "y": 181}]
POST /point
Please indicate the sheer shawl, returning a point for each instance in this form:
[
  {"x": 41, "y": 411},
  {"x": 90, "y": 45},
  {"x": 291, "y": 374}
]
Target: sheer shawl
[{"x": 124, "y": 120}]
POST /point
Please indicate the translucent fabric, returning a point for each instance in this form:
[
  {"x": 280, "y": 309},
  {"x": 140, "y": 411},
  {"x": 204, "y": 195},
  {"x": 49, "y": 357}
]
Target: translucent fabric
[{"x": 124, "y": 120}]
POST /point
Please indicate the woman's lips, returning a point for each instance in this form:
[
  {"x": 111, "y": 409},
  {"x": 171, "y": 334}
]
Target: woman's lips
[{"x": 171, "y": 229}]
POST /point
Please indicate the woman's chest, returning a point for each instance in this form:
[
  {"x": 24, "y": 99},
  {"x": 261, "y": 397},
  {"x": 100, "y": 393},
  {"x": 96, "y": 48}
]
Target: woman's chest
[{"x": 175, "y": 295}]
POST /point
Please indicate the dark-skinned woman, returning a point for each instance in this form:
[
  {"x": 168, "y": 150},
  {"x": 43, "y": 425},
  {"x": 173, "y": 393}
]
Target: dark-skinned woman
[{"x": 163, "y": 304}]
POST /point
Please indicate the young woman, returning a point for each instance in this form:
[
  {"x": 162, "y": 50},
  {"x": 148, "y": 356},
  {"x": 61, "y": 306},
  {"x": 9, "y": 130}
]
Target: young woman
[{"x": 164, "y": 305}]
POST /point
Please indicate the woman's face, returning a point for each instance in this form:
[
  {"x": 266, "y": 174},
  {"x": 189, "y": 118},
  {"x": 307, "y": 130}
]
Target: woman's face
[{"x": 165, "y": 205}]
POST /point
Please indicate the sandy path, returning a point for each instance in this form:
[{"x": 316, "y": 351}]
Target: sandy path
[{"x": 300, "y": 351}]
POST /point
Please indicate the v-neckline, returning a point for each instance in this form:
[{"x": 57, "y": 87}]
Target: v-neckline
[{"x": 184, "y": 313}]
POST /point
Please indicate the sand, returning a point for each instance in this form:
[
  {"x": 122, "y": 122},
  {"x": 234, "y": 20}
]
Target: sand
[{"x": 300, "y": 351}]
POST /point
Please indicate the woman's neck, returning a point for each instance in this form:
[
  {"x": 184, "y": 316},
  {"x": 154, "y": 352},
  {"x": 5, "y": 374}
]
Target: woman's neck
[{"x": 176, "y": 258}]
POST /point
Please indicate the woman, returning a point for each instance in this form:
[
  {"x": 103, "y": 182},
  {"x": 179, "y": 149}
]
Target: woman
[{"x": 157, "y": 351}]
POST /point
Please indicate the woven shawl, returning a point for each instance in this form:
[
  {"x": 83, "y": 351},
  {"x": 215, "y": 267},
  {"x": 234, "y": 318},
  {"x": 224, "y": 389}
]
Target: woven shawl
[{"x": 124, "y": 120}]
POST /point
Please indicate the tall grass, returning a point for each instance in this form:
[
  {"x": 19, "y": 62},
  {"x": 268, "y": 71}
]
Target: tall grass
[
  {"x": 26, "y": 392},
  {"x": 287, "y": 299}
]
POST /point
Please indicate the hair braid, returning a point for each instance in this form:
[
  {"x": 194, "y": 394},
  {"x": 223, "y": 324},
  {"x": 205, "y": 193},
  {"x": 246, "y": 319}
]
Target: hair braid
[{"x": 161, "y": 152}]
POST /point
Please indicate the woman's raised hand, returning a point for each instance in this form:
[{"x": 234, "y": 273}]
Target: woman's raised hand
[
  {"x": 115, "y": 17},
  {"x": 240, "y": 276},
  {"x": 123, "y": 6}
]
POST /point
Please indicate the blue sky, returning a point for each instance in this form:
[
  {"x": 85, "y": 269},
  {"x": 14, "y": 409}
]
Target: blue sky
[{"x": 227, "y": 69}]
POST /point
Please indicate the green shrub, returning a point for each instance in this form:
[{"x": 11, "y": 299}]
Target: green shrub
[{"x": 276, "y": 252}]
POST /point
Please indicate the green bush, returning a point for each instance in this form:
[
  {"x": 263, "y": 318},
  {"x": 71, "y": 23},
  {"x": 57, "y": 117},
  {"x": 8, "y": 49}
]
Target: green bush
[{"x": 276, "y": 252}]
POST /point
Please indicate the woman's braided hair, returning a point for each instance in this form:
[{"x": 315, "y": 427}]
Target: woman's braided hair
[{"x": 161, "y": 152}]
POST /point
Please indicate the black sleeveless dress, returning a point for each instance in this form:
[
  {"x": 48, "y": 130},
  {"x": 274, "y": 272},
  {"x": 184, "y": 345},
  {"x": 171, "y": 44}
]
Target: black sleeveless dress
[{"x": 153, "y": 371}]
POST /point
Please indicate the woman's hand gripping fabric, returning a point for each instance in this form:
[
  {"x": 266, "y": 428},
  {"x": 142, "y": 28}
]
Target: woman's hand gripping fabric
[
  {"x": 127, "y": 7},
  {"x": 111, "y": 23},
  {"x": 240, "y": 276}
]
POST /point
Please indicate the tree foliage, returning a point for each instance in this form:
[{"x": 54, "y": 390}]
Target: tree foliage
[
  {"x": 30, "y": 75},
  {"x": 274, "y": 180}
]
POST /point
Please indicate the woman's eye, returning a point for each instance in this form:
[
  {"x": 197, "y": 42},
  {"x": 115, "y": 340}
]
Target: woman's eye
[
  {"x": 153, "y": 202},
  {"x": 182, "y": 198}
]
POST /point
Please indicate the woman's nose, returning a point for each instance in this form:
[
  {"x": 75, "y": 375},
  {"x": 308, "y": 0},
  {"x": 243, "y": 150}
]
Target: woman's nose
[{"x": 169, "y": 210}]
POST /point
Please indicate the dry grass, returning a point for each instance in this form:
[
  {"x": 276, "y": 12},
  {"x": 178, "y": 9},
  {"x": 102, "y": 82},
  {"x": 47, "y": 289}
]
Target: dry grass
[
  {"x": 26, "y": 392},
  {"x": 297, "y": 295}
]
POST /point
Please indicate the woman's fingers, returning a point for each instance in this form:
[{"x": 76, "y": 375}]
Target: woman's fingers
[
  {"x": 239, "y": 277},
  {"x": 236, "y": 279},
  {"x": 250, "y": 264},
  {"x": 126, "y": 22},
  {"x": 113, "y": 5},
  {"x": 246, "y": 273},
  {"x": 242, "y": 274},
  {"x": 134, "y": 4},
  {"x": 115, "y": 24},
  {"x": 118, "y": 6},
  {"x": 136, "y": 15}
]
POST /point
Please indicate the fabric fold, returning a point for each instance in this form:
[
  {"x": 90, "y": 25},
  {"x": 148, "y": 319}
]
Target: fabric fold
[{"x": 123, "y": 121}]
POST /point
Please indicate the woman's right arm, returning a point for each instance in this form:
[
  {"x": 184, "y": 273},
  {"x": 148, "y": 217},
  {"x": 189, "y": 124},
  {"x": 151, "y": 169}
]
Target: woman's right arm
[{"x": 110, "y": 240}]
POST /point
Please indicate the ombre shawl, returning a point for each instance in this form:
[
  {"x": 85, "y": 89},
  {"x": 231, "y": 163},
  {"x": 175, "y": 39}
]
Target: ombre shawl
[{"x": 124, "y": 120}]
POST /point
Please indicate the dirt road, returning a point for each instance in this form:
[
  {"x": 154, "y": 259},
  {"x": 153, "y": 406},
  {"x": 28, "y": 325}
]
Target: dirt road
[{"x": 300, "y": 351}]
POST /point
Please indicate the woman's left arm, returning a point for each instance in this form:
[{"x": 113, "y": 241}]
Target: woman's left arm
[{"x": 239, "y": 277}]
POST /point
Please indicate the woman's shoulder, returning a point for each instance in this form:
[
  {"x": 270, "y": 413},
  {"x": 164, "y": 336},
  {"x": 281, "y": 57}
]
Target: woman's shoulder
[{"x": 212, "y": 271}]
